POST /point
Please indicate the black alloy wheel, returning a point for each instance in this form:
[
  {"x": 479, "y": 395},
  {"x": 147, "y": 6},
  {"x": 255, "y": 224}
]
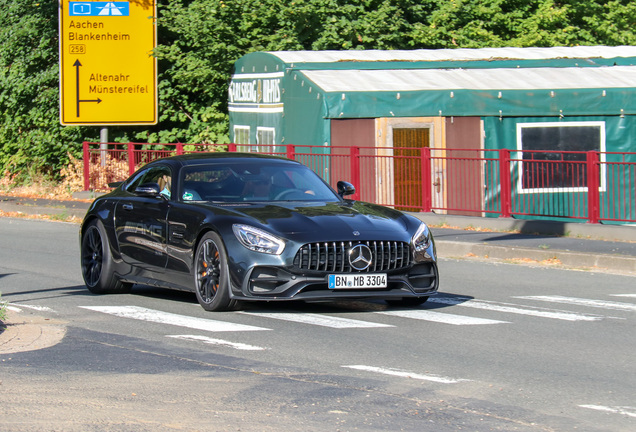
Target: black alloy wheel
[
  {"x": 211, "y": 274},
  {"x": 92, "y": 256},
  {"x": 97, "y": 263}
]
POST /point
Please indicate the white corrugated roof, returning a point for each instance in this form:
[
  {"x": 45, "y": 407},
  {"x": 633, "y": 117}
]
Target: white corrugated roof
[
  {"x": 475, "y": 79},
  {"x": 459, "y": 54}
]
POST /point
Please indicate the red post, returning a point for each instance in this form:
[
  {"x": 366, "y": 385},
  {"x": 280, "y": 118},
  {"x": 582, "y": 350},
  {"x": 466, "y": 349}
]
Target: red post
[
  {"x": 231, "y": 148},
  {"x": 355, "y": 170},
  {"x": 427, "y": 180},
  {"x": 593, "y": 199},
  {"x": 87, "y": 163},
  {"x": 131, "y": 158},
  {"x": 291, "y": 151},
  {"x": 179, "y": 149},
  {"x": 504, "y": 180}
]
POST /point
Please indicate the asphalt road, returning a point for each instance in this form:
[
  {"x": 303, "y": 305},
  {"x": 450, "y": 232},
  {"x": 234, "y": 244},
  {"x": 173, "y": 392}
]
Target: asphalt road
[{"x": 503, "y": 347}]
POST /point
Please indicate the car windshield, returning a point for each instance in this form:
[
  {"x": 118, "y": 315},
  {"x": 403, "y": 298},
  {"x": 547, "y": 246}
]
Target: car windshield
[{"x": 253, "y": 180}]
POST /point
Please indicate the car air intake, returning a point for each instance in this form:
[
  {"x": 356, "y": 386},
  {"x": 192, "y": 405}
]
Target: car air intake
[{"x": 334, "y": 256}]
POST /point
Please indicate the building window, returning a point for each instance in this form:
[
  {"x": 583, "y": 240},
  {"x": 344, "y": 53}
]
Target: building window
[
  {"x": 553, "y": 155},
  {"x": 265, "y": 139},
  {"x": 242, "y": 137}
]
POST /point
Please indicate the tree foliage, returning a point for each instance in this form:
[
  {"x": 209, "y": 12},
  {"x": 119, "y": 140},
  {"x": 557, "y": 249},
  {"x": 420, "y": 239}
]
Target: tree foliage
[
  {"x": 199, "y": 41},
  {"x": 30, "y": 133}
]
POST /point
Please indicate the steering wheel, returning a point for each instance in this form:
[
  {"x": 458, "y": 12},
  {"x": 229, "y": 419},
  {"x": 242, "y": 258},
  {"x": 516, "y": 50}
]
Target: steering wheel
[{"x": 289, "y": 193}]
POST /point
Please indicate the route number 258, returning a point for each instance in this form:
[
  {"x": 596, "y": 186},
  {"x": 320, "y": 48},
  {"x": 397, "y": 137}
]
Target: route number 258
[{"x": 77, "y": 49}]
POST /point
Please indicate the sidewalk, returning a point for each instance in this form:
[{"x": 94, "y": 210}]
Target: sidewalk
[
  {"x": 610, "y": 248},
  {"x": 598, "y": 247}
]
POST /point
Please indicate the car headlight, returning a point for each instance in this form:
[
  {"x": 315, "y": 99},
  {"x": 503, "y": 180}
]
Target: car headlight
[
  {"x": 422, "y": 238},
  {"x": 258, "y": 240}
]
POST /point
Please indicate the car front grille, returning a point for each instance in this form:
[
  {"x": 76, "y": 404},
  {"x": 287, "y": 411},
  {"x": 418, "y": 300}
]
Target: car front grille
[{"x": 334, "y": 256}]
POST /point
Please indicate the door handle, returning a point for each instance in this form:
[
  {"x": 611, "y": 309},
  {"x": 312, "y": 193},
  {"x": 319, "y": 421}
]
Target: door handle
[
  {"x": 437, "y": 184},
  {"x": 127, "y": 206}
]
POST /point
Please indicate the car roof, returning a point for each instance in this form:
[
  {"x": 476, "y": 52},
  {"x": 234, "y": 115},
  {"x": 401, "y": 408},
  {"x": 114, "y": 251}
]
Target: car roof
[{"x": 202, "y": 158}]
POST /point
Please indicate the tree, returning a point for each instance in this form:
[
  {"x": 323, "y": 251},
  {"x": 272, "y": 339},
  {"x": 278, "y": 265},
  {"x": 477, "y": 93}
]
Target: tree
[
  {"x": 31, "y": 138},
  {"x": 521, "y": 23}
]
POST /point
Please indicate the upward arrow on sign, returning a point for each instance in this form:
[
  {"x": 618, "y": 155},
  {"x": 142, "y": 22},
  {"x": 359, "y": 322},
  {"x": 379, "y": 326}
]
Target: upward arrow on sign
[{"x": 77, "y": 66}]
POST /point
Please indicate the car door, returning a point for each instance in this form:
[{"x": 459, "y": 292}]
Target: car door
[{"x": 141, "y": 220}]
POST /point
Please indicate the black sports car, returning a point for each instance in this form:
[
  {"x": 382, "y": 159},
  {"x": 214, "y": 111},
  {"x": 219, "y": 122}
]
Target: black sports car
[{"x": 239, "y": 227}]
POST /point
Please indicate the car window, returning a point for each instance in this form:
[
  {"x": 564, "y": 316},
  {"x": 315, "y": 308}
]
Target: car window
[
  {"x": 160, "y": 175},
  {"x": 254, "y": 181}
]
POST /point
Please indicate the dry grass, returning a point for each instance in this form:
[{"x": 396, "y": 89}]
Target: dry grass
[
  {"x": 41, "y": 187},
  {"x": 52, "y": 217}
]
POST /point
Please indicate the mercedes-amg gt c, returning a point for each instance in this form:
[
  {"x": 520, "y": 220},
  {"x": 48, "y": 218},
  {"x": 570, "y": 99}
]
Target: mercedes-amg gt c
[{"x": 238, "y": 227}]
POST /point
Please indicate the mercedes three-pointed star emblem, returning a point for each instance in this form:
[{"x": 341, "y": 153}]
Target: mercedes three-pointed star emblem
[{"x": 360, "y": 257}]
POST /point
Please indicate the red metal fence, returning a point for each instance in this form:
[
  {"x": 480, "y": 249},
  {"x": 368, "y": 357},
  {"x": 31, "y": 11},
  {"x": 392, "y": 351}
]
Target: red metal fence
[{"x": 503, "y": 183}]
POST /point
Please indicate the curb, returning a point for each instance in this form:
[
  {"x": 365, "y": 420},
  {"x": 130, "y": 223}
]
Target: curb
[
  {"x": 613, "y": 263},
  {"x": 41, "y": 210},
  {"x": 625, "y": 232}
]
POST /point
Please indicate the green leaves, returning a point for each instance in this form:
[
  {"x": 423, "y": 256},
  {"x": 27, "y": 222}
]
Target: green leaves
[{"x": 31, "y": 138}]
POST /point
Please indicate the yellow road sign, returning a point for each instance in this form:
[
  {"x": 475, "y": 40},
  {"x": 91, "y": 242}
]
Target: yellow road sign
[{"x": 108, "y": 75}]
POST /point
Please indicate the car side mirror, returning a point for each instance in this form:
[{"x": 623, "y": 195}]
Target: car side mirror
[
  {"x": 345, "y": 188},
  {"x": 148, "y": 190}
]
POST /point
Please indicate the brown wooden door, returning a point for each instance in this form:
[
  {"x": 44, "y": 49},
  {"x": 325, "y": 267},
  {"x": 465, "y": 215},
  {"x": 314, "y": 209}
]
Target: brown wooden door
[{"x": 408, "y": 166}]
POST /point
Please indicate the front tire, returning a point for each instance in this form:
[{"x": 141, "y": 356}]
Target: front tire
[
  {"x": 211, "y": 278},
  {"x": 97, "y": 263}
]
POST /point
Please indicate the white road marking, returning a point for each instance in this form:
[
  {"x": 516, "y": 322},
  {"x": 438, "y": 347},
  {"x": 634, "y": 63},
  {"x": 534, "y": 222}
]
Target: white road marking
[
  {"x": 13, "y": 308},
  {"x": 160, "y": 317},
  {"x": 404, "y": 374},
  {"x": 317, "y": 319},
  {"x": 32, "y": 307},
  {"x": 624, "y": 295},
  {"x": 584, "y": 302},
  {"x": 516, "y": 309},
  {"x": 444, "y": 318},
  {"x": 628, "y": 411},
  {"x": 211, "y": 341}
]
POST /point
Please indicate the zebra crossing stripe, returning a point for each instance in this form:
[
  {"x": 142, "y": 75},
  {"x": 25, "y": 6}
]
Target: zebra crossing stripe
[
  {"x": 584, "y": 302},
  {"x": 512, "y": 308},
  {"x": 404, "y": 374},
  {"x": 17, "y": 307},
  {"x": 444, "y": 318},
  {"x": 150, "y": 315},
  {"x": 628, "y": 411},
  {"x": 317, "y": 319},
  {"x": 220, "y": 342}
]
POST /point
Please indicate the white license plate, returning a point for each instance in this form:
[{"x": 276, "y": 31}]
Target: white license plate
[{"x": 349, "y": 281}]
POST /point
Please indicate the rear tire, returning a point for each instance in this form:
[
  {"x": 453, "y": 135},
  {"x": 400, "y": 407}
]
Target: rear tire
[
  {"x": 97, "y": 263},
  {"x": 211, "y": 278},
  {"x": 407, "y": 301}
]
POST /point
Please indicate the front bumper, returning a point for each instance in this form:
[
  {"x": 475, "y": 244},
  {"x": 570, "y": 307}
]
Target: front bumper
[{"x": 273, "y": 283}]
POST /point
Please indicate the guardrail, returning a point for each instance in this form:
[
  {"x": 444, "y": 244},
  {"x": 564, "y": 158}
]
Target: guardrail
[{"x": 475, "y": 182}]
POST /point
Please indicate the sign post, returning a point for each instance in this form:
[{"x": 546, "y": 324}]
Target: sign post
[{"x": 108, "y": 75}]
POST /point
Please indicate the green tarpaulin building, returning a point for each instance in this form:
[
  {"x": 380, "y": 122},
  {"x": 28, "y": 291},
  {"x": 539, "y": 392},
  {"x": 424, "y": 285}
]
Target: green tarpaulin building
[{"x": 550, "y": 99}]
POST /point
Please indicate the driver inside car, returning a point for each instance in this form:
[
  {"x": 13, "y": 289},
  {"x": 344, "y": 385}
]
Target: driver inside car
[{"x": 165, "y": 184}]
